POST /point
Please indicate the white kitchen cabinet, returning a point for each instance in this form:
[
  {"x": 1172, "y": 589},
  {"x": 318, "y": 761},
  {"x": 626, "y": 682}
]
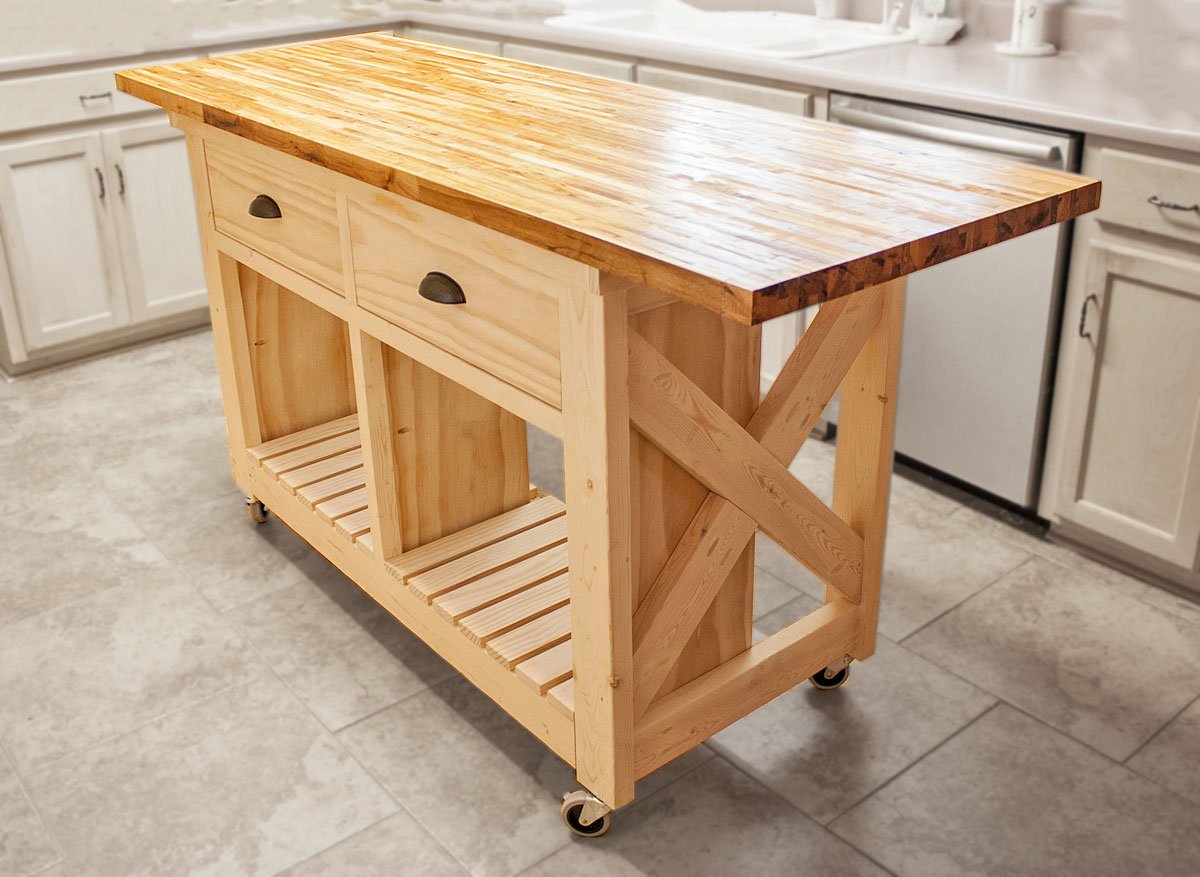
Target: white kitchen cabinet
[
  {"x": 59, "y": 238},
  {"x": 459, "y": 41},
  {"x": 580, "y": 62},
  {"x": 1133, "y": 422},
  {"x": 156, "y": 220},
  {"x": 1123, "y": 458},
  {"x": 767, "y": 97}
]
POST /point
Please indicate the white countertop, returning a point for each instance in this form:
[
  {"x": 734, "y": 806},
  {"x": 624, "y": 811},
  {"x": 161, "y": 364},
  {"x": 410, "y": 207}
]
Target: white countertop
[
  {"x": 1146, "y": 102},
  {"x": 1143, "y": 102}
]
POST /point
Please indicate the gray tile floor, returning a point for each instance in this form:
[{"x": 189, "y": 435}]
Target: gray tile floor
[{"x": 184, "y": 693}]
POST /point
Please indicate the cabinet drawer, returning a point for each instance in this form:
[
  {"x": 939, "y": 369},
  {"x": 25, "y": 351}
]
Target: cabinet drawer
[
  {"x": 1131, "y": 181},
  {"x": 508, "y": 324},
  {"x": 459, "y": 41},
  {"x": 767, "y": 97},
  {"x": 65, "y": 98},
  {"x": 304, "y": 237},
  {"x": 593, "y": 65}
]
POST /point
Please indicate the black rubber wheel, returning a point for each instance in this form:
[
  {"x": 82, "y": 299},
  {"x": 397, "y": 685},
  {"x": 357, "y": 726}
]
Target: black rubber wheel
[
  {"x": 600, "y": 826},
  {"x": 256, "y": 511},
  {"x": 823, "y": 683}
]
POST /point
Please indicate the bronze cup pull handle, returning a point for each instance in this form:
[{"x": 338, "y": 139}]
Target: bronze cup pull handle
[
  {"x": 265, "y": 207},
  {"x": 438, "y": 287}
]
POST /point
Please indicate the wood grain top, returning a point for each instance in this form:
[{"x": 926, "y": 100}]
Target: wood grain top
[{"x": 748, "y": 212}]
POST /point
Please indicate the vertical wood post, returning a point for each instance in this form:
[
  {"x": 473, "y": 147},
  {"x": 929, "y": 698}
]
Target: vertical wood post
[
  {"x": 228, "y": 325},
  {"x": 864, "y": 451},
  {"x": 375, "y": 426},
  {"x": 595, "y": 391}
]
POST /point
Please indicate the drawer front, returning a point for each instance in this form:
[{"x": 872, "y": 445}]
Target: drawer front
[
  {"x": 1131, "y": 181},
  {"x": 764, "y": 96},
  {"x": 593, "y": 65},
  {"x": 304, "y": 237},
  {"x": 508, "y": 324},
  {"x": 66, "y": 98},
  {"x": 459, "y": 41}
]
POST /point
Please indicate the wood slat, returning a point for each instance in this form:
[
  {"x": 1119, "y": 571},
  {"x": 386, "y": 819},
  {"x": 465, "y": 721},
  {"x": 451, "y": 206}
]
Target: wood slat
[
  {"x": 286, "y": 443},
  {"x": 490, "y": 558},
  {"x": 584, "y": 166},
  {"x": 322, "y": 469},
  {"x": 476, "y": 537},
  {"x": 562, "y": 696},
  {"x": 536, "y": 636},
  {"x": 546, "y": 669},
  {"x": 514, "y": 611},
  {"x": 357, "y": 525},
  {"x": 312, "y": 453},
  {"x": 339, "y": 506},
  {"x": 495, "y": 586},
  {"x": 332, "y": 487}
]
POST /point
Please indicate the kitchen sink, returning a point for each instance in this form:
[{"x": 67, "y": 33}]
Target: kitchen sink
[{"x": 769, "y": 34}]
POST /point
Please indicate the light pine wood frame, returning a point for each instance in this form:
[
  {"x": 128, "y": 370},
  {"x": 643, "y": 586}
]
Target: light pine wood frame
[{"x": 659, "y": 655}]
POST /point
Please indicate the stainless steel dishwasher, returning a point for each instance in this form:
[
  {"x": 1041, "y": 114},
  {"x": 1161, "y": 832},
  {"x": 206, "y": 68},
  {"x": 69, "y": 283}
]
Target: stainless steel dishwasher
[{"x": 979, "y": 332}]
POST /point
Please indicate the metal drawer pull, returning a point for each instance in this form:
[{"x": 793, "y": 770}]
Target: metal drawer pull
[
  {"x": 437, "y": 287},
  {"x": 265, "y": 207},
  {"x": 1083, "y": 332},
  {"x": 1170, "y": 205},
  {"x": 104, "y": 95},
  {"x": 100, "y": 180},
  {"x": 120, "y": 180}
]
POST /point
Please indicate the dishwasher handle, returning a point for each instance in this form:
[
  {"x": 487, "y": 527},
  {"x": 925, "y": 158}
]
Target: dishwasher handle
[{"x": 889, "y": 124}]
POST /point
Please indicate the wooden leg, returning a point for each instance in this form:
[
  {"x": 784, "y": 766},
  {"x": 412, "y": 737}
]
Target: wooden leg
[
  {"x": 228, "y": 325},
  {"x": 596, "y": 459},
  {"x": 864, "y": 452}
]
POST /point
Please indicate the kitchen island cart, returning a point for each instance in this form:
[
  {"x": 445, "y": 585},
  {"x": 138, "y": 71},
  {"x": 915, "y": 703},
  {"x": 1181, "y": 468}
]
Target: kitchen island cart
[{"x": 413, "y": 250}]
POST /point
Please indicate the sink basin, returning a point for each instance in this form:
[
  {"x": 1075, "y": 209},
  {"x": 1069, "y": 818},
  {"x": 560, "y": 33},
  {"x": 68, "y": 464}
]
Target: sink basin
[{"x": 769, "y": 34}]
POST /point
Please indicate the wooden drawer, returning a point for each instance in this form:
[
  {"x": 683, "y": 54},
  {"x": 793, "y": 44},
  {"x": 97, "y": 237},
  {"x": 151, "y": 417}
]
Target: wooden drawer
[
  {"x": 304, "y": 237},
  {"x": 1131, "y": 181},
  {"x": 65, "y": 98},
  {"x": 508, "y": 324}
]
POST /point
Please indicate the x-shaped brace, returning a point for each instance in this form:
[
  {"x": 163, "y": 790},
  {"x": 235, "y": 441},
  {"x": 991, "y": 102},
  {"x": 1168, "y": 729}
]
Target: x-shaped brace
[{"x": 745, "y": 470}]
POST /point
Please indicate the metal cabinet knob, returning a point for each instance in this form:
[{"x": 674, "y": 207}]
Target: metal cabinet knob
[
  {"x": 437, "y": 287},
  {"x": 265, "y": 207}
]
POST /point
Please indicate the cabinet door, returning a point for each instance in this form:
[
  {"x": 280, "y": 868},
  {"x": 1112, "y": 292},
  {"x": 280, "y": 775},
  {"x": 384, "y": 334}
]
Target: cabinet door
[
  {"x": 55, "y": 211},
  {"x": 156, "y": 220},
  {"x": 1132, "y": 443}
]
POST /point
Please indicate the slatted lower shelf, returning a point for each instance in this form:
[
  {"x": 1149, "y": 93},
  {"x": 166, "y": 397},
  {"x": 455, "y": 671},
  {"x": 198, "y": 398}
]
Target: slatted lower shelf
[
  {"x": 502, "y": 583},
  {"x": 323, "y": 467}
]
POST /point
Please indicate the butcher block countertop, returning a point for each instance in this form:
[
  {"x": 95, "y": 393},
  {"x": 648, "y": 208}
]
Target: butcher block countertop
[{"x": 749, "y": 213}]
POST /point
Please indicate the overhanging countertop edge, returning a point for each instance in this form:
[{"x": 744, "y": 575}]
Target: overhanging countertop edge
[{"x": 744, "y": 304}]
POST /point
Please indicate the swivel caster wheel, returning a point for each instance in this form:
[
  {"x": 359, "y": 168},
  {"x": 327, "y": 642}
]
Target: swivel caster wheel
[
  {"x": 585, "y": 815},
  {"x": 826, "y": 681},
  {"x": 256, "y": 511}
]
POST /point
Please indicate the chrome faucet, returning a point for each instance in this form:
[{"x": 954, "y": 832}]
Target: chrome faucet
[{"x": 891, "y": 15}]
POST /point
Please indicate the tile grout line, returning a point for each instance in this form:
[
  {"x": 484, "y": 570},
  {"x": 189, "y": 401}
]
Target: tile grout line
[
  {"x": 825, "y": 829},
  {"x": 37, "y": 811},
  {"x": 900, "y": 642},
  {"x": 987, "y": 712},
  {"x": 1151, "y": 738},
  {"x": 333, "y": 735},
  {"x": 135, "y": 728}
]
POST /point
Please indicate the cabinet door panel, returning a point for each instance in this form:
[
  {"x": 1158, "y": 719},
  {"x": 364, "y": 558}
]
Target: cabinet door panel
[
  {"x": 1135, "y": 416},
  {"x": 58, "y": 234},
  {"x": 156, "y": 213}
]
